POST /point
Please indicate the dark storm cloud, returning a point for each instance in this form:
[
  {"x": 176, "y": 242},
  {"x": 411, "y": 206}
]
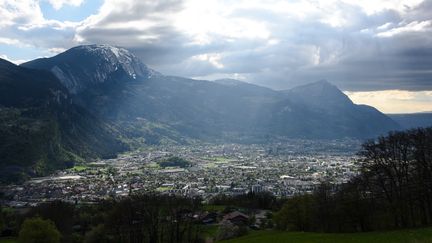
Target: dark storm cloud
[
  {"x": 363, "y": 60},
  {"x": 160, "y": 43},
  {"x": 387, "y": 49}
]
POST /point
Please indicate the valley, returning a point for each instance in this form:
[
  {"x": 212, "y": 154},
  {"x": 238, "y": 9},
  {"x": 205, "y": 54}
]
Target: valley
[
  {"x": 96, "y": 101},
  {"x": 282, "y": 169}
]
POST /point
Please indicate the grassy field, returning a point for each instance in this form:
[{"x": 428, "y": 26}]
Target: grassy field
[
  {"x": 218, "y": 159},
  {"x": 406, "y": 236},
  {"x": 163, "y": 188},
  {"x": 403, "y": 236},
  {"x": 79, "y": 168}
]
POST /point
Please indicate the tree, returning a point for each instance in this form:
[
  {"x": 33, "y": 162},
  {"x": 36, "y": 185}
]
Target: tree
[
  {"x": 2, "y": 223},
  {"x": 389, "y": 165},
  {"x": 154, "y": 218},
  {"x": 37, "y": 230},
  {"x": 59, "y": 212},
  {"x": 296, "y": 214},
  {"x": 393, "y": 189}
]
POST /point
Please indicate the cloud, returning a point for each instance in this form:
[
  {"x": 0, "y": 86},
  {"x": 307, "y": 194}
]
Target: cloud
[
  {"x": 58, "y": 4},
  {"x": 415, "y": 26},
  {"x": 23, "y": 24},
  {"x": 17, "y": 62},
  {"x": 395, "y": 101},
  {"x": 357, "y": 45},
  {"x": 9, "y": 41},
  {"x": 19, "y": 12}
]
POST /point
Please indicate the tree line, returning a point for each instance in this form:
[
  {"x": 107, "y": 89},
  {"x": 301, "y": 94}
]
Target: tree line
[
  {"x": 393, "y": 189},
  {"x": 140, "y": 218}
]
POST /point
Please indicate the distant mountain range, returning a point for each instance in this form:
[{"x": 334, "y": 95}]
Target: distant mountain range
[
  {"x": 114, "y": 84},
  {"x": 90, "y": 101},
  {"x": 413, "y": 120}
]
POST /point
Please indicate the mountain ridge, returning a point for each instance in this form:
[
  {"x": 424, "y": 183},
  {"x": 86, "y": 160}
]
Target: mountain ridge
[
  {"x": 205, "y": 109},
  {"x": 89, "y": 101},
  {"x": 100, "y": 63}
]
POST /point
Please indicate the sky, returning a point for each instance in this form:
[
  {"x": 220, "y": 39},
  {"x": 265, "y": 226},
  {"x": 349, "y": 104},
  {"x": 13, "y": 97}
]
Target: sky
[{"x": 379, "y": 52}]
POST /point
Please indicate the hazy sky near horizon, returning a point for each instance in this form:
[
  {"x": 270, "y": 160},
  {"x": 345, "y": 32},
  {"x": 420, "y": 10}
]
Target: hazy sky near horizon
[{"x": 378, "y": 51}]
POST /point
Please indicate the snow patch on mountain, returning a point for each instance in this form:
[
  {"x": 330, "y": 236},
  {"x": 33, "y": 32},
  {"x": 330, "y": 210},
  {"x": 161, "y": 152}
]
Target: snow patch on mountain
[{"x": 86, "y": 66}]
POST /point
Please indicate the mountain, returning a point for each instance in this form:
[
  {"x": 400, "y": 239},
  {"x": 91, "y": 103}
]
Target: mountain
[
  {"x": 90, "y": 100},
  {"x": 83, "y": 67},
  {"x": 41, "y": 130},
  {"x": 157, "y": 107},
  {"x": 321, "y": 110},
  {"x": 113, "y": 84},
  {"x": 413, "y": 120},
  {"x": 230, "y": 82},
  {"x": 320, "y": 95}
]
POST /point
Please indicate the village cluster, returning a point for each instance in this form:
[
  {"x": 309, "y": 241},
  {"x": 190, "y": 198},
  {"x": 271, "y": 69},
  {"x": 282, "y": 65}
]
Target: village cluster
[{"x": 283, "y": 169}]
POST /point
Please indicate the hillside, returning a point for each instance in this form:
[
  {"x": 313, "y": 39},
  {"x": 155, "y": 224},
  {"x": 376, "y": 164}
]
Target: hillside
[{"x": 40, "y": 130}]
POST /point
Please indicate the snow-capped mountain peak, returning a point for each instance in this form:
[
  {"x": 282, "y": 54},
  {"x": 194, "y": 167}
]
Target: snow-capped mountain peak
[{"x": 89, "y": 65}]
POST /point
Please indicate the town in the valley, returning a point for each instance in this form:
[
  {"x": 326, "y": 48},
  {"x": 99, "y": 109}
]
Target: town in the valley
[{"x": 282, "y": 169}]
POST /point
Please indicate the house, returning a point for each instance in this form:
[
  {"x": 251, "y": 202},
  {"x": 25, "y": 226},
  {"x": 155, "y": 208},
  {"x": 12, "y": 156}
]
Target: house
[{"x": 236, "y": 218}]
